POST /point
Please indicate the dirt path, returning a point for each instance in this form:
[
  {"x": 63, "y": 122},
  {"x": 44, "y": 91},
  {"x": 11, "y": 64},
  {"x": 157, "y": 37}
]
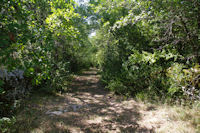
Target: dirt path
[{"x": 88, "y": 108}]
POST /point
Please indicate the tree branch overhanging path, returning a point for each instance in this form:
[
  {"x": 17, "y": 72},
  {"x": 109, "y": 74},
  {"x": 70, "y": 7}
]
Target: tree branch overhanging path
[{"x": 89, "y": 108}]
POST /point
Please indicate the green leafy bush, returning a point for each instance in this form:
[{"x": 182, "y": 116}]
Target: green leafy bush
[
  {"x": 149, "y": 48},
  {"x": 46, "y": 40},
  {"x": 184, "y": 81},
  {"x": 117, "y": 86},
  {"x": 6, "y": 124}
]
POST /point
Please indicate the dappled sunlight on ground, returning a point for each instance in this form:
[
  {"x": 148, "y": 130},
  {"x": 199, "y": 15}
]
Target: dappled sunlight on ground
[{"x": 89, "y": 108}]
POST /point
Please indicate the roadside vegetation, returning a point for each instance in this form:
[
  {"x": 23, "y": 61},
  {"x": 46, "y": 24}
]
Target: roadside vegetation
[{"x": 144, "y": 49}]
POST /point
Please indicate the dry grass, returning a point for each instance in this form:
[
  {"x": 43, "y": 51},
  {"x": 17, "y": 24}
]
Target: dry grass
[
  {"x": 188, "y": 119},
  {"x": 171, "y": 119}
]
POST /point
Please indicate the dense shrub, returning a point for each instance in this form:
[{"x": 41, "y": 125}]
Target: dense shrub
[
  {"x": 42, "y": 43},
  {"x": 184, "y": 81},
  {"x": 150, "y": 49},
  {"x": 6, "y": 124}
]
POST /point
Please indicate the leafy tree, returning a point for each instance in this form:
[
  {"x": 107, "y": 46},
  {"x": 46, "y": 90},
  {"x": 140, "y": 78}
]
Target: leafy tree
[
  {"x": 141, "y": 42},
  {"x": 42, "y": 41}
]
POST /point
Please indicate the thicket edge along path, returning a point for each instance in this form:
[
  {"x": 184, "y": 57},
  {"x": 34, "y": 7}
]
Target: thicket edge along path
[{"x": 88, "y": 108}]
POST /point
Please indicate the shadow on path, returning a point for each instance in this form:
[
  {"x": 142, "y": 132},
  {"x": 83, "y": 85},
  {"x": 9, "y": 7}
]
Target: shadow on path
[{"x": 87, "y": 108}]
